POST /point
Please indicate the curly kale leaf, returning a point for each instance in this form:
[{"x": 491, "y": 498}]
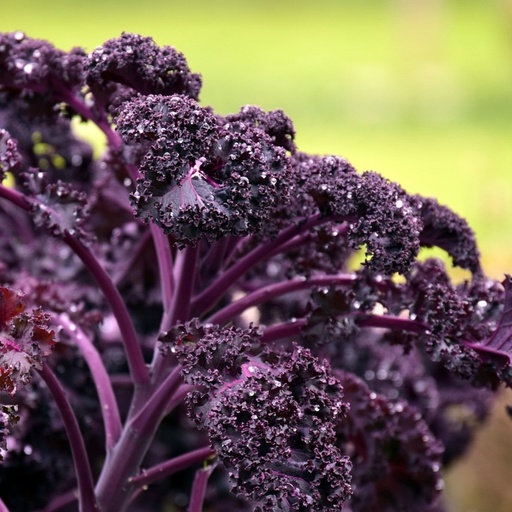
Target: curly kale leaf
[
  {"x": 270, "y": 416},
  {"x": 380, "y": 214},
  {"x": 37, "y": 66},
  {"x": 25, "y": 340},
  {"x": 57, "y": 207},
  {"x": 396, "y": 459},
  {"x": 131, "y": 64},
  {"x": 10, "y": 159},
  {"x": 469, "y": 324},
  {"x": 202, "y": 176},
  {"x": 445, "y": 229}
]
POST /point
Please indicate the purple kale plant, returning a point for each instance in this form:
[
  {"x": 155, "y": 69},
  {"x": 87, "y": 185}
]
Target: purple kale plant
[{"x": 186, "y": 323}]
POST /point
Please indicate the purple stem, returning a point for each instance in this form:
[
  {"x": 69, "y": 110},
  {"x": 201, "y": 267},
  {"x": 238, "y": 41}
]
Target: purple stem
[
  {"x": 114, "y": 488},
  {"x": 87, "y": 498},
  {"x": 113, "y": 138},
  {"x": 274, "y": 290},
  {"x": 3, "y": 506},
  {"x": 133, "y": 350},
  {"x": 108, "y": 403},
  {"x": 283, "y": 330},
  {"x": 62, "y": 500},
  {"x": 199, "y": 489},
  {"x": 165, "y": 264},
  {"x": 15, "y": 197},
  {"x": 215, "y": 257},
  {"x": 293, "y": 328},
  {"x": 185, "y": 269},
  {"x": 138, "y": 369},
  {"x": 391, "y": 322},
  {"x": 132, "y": 258},
  {"x": 153, "y": 410},
  {"x": 210, "y": 295},
  {"x": 178, "y": 397},
  {"x": 185, "y": 272},
  {"x": 172, "y": 466}
]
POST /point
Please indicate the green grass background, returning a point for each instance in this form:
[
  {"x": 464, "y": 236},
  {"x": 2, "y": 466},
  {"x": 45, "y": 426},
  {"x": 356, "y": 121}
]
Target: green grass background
[{"x": 418, "y": 90}]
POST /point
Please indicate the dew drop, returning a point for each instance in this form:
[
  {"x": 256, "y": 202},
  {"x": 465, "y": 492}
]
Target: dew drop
[
  {"x": 19, "y": 36},
  {"x": 76, "y": 160},
  {"x": 369, "y": 375},
  {"x": 398, "y": 408},
  {"x": 382, "y": 374}
]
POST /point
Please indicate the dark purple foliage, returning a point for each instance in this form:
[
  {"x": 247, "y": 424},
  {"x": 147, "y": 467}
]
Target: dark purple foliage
[
  {"x": 180, "y": 325},
  {"x": 270, "y": 416},
  {"x": 10, "y": 159},
  {"x": 202, "y": 176},
  {"x": 133, "y": 64}
]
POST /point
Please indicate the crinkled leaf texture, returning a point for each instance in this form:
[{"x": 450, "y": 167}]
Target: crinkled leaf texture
[
  {"x": 498, "y": 345},
  {"x": 10, "y": 159},
  {"x": 8, "y": 416},
  {"x": 57, "y": 207},
  {"x": 202, "y": 175},
  {"x": 396, "y": 459},
  {"x": 25, "y": 340},
  {"x": 270, "y": 416}
]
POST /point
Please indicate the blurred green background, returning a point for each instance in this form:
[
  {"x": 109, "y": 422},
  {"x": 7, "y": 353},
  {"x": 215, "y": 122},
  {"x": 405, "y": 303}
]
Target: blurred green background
[{"x": 418, "y": 90}]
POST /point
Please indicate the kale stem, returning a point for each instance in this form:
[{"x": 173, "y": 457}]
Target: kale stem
[
  {"x": 213, "y": 293},
  {"x": 178, "y": 397},
  {"x": 3, "y": 506},
  {"x": 185, "y": 269},
  {"x": 108, "y": 403},
  {"x": 115, "y": 485},
  {"x": 391, "y": 322},
  {"x": 138, "y": 369},
  {"x": 185, "y": 272},
  {"x": 165, "y": 264},
  {"x": 154, "y": 409},
  {"x": 199, "y": 489},
  {"x": 62, "y": 500},
  {"x": 283, "y": 330},
  {"x": 113, "y": 138},
  {"x": 87, "y": 498},
  {"x": 172, "y": 466},
  {"x": 15, "y": 197},
  {"x": 272, "y": 291}
]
